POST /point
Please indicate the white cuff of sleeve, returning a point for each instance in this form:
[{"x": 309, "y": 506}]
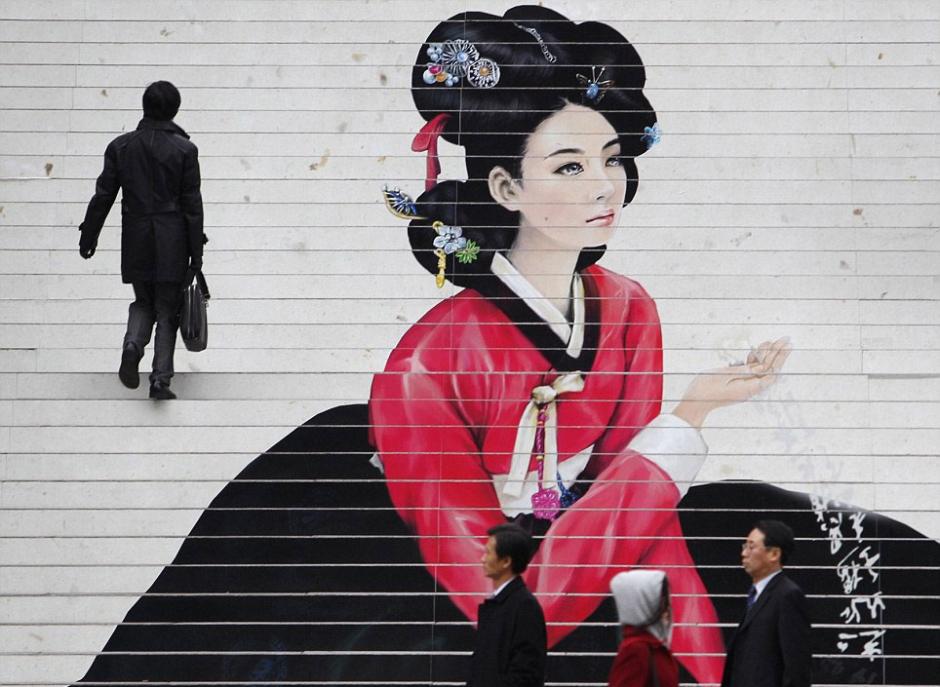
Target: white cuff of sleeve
[{"x": 675, "y": 446}]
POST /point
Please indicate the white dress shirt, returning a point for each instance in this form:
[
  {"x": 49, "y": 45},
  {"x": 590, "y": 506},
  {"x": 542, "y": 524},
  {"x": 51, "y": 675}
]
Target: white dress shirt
[
  {"x": 760, "y": 586},
  {"x": 502, "y": 586}
]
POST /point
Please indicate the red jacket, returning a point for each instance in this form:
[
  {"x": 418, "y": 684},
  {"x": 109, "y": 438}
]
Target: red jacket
[{"x": 632, "y": 665}]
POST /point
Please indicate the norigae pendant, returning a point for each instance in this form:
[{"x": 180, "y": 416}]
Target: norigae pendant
[{"x": 546, "y": 504}]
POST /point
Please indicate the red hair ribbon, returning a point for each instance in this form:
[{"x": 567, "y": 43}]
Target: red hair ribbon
[{"x": 426, "y": 139}]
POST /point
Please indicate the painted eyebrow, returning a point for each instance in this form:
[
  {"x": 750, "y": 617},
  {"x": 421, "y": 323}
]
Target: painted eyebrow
[
  {"x": 566, "y": 151},
  {"x": 578, "y": 151}
]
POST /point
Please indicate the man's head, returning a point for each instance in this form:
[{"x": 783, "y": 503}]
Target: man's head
[
  {"x": 508, "y": 552},
  {"x": 161, "y": 101},
  {"x": 767, "y": 548}
]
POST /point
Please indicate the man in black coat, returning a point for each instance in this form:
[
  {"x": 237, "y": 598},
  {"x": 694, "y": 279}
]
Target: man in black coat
[
  {"x": 771, "y": 646},
  {"x": 511, "y": 637},
  {"x": 157, "y": 169}
]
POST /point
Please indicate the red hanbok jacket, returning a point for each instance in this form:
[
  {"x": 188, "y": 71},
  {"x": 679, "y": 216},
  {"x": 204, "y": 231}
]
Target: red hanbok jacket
[{"x": 444, "y": 418}]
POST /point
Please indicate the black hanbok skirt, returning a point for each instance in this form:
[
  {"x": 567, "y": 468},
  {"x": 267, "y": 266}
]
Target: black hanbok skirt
[{"x": 301, "y": 572}]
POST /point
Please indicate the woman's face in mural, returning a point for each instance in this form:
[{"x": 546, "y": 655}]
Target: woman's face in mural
[{"x": 573, "y": 183}]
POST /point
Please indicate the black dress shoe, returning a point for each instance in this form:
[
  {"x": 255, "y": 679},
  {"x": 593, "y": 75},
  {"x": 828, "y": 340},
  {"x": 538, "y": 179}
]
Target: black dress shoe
[
  {"x": 130, "y": 358},
  {"x": 161, "y": 392}
]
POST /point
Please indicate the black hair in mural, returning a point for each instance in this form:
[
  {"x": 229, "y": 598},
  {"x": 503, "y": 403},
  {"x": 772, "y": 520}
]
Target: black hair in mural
[{"x": 545, "y": 61}]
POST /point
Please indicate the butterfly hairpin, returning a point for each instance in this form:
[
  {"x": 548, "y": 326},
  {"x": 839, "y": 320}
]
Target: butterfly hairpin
[{"x": 594, "y": 88}]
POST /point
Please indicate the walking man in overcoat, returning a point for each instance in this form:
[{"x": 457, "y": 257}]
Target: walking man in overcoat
[
  {"x": 157, "y": 169},
  {"x": 771, "y": 647},
  {"x": 511, "y": 636}
]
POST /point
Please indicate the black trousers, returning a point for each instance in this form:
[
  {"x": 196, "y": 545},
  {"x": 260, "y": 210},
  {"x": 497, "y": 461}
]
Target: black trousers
[{"x": 155, "y": 302}]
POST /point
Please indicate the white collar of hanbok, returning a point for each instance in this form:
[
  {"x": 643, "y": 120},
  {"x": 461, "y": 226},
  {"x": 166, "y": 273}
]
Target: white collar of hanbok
[{"x": 570, "y": 333}]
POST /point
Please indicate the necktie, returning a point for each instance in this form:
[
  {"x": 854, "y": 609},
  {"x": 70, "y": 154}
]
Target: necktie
[{"x": 751, "y": 597}]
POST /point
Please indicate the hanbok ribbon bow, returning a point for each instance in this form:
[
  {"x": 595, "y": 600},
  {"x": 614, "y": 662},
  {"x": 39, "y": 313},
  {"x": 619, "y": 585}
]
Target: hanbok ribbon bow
[{"x": 542, "y": 401}]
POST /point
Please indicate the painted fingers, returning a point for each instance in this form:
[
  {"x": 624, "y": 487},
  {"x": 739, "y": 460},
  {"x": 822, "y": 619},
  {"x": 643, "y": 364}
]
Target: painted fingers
[{"x": 764, "y": 364}]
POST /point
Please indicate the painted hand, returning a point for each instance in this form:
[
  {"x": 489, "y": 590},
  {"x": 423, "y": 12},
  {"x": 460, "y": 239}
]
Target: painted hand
[{"x": 726, "y": 386}]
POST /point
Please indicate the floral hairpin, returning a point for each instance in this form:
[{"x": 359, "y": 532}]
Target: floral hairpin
[
  {"x": 449, "y": 240},
  {"x": 594, "y": 88},
  {"x": 651, "y": 135},
  {"x": 453, "y": 60}
]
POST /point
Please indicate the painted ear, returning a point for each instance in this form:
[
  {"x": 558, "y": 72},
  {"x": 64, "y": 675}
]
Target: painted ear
[{"x": 504, "y": 189}]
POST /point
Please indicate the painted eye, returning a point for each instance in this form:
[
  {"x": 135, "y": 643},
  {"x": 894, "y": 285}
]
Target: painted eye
[
  {"x": 570, "y": 169},
  {"x": 614, "y": 162}
]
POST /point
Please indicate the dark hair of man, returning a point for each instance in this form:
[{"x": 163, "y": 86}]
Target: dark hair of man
[
  {"x": 161, "y": 101},
  {"x": 777, "y": 534},
  {"x": 514, "y": 542}
]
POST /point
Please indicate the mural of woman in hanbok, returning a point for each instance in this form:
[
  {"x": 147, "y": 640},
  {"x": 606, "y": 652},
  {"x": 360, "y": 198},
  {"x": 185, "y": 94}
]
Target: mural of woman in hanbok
[
  {"x": 350, "y": 551},
  {"x": 546, "y": 363}
]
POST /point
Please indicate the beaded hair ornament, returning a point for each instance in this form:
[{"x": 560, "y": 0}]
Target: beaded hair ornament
[{"x": 456, "y": 59}]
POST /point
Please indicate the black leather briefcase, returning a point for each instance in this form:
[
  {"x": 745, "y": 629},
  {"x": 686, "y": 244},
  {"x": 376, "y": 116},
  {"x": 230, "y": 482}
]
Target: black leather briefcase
[{"x": 194, "y": 324}]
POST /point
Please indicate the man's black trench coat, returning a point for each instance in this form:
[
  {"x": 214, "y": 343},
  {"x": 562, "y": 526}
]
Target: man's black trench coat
[
  {"x": 511, "y": 640},
  {"x": 157, "y": 168}
]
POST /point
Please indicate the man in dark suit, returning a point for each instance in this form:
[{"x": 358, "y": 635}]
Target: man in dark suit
[
  {"x": 771, "y": 646},
  {"x": 511, "y": 637},
  {"x": 157, "y": 169}
]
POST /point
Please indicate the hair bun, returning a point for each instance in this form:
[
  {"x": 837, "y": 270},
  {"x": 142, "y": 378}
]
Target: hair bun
[{"x": 483, "y": 224}]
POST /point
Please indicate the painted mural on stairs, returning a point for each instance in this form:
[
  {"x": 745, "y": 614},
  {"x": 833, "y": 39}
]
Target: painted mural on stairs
[{"x": 349, "y": 551}]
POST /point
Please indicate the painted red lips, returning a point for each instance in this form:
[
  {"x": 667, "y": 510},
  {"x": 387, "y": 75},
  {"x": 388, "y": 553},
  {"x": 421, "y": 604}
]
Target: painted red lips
[{"x": 605, "y": 219}]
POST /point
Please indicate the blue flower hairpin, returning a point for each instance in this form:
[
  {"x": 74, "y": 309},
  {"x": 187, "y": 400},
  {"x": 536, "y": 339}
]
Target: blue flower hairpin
[
  {"x": 651, "y": 135},
  {"x": 453, "y": 60},
  {"x": 594, "y": 88},
  {"x": 449, "y": 239}
]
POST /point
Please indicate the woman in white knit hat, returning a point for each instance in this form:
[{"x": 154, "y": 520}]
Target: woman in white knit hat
[{"x": 644, "y": 658}]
